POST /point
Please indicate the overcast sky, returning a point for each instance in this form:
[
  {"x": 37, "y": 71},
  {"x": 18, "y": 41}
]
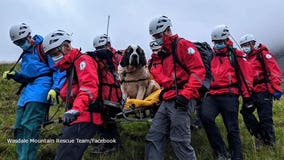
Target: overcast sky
[{"x": 129, "y": 20}]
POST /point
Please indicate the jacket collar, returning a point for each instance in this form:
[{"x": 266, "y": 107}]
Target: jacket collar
[
  {"x": 168, "y": 41},
  {"x": 68, "y": 59},
  {"x": 259, "y": 49}
]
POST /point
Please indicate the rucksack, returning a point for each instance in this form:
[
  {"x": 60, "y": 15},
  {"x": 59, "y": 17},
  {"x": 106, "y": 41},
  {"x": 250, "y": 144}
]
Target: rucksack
[
  {"x": 98, "y": 56},
  {"x": 206, "y": 54}
]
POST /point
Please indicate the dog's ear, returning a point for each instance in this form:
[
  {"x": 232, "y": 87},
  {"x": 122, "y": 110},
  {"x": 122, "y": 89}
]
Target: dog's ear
[
  {"x": 128, "y": 50},
  {"x": 124, "y": 62},
  {"x": 142, "y": 57},
  {"x": 125, "y": 58}
]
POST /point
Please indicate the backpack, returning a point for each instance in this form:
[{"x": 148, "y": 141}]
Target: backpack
[
  {"x": 206, "y": 54},
  {"x": 98, "y": 56}
]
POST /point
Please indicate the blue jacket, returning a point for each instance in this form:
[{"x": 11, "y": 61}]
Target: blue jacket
[{"x": 39, "y": 76}]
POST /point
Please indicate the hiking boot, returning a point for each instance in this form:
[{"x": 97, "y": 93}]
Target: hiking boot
[
  {"x": 196, "y": 125},
  {"x": 104, "y": 149},
  {"x": 269, "y": 143},
  {"x": 259, "y": 143},
  {"x": 222, "y": 157}
]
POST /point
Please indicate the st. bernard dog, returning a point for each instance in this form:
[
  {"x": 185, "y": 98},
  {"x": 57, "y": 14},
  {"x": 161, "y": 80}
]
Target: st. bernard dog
[{"x": 136, "y": 81}]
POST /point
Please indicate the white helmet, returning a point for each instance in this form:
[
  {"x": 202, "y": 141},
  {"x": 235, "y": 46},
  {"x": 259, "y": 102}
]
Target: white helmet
[
  {"x": 19, "y": 31},
  {"x": 159, "y": 25},
  {"x": 155, "y": 46},
  {"x": 220, "y": 32},
  {"x": 101, "y": 40},
  {"x": 247, "y": 38},
  {"x": 55, "y": 39}
]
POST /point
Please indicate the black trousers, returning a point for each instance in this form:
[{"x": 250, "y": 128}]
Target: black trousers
[
  {"x": 227, "y": 106},
  {"x": 262, "y": 128},
  {"x": 74, "y": 141},
  {"x": 109, "y": 130}
]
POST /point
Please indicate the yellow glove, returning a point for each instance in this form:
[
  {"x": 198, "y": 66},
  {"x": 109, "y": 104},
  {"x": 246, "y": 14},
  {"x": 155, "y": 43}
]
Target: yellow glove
[
  {"x": 8, "y": 74},
  {"x": 52, "y": 95}
]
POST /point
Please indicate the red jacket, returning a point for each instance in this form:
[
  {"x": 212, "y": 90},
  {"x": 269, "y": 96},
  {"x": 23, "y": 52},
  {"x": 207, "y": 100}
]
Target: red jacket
[
  {"x": 85, "y": 85},
  {"x": 162, "y": 69},
  {"x": 224, "y": 76},
  {"x": 272, "y": 68}
]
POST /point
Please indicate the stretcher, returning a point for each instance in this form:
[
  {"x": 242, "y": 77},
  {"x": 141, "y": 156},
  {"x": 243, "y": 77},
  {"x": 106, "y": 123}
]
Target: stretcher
[
  {"x": 130, "y": 109},
  {"x": 140, "y": 110}
]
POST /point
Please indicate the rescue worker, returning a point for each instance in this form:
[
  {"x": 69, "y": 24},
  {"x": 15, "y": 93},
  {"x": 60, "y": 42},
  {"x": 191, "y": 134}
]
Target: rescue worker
[
  {"x": 39, "y": 83},
  {"x": 196, "y": 125},
  {"x": 177, "y": 100},
  {"x": 266, "y": 86},
  {"x": 109, "y": 129},
  {"x": 83, "y": 116},
  {"x": 222, "y": 98}
]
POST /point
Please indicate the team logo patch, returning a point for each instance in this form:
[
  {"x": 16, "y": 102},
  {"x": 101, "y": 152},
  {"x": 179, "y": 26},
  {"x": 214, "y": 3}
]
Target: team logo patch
[
  {"x": 190, "y": 51},
  {"x": 82, "y": 65},
  {"x": 268, "y": 56}
]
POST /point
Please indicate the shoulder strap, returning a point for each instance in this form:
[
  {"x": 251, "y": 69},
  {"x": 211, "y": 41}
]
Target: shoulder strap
[
  {"x": 69, "y": 87},
  {"x": 41, "y": 54},
  {"x": 176, "y": 60},
  {"x": 234, "y": 62},
  {"x": 175, "y": 55},
  {"x": 72, "y": 76},
  {"x": 260, "y": 58}
]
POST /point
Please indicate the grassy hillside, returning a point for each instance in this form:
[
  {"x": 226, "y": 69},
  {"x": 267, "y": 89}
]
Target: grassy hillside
[{"x": 132, "y": 134}]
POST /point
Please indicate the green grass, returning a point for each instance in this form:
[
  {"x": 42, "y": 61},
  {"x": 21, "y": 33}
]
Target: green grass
[{"x": 132, "y": 134}]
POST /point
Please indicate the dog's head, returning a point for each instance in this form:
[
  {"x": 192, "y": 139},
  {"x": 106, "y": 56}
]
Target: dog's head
[{"x": 133, "y": 56}]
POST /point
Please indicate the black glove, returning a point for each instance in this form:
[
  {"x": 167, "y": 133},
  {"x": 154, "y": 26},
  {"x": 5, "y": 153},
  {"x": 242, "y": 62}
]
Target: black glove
[
  {"x": 202, "y": 91},
  {"x": 248, "y": 104},
  {"x": 181, "y": 102},
  {"x": 97, "y": 106},
  {"x": 163, "y": 54},
  {"x": 70, "y": 116}
]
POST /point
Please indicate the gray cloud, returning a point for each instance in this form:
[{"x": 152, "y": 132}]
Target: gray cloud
[{"x": 129, "y": 22}]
